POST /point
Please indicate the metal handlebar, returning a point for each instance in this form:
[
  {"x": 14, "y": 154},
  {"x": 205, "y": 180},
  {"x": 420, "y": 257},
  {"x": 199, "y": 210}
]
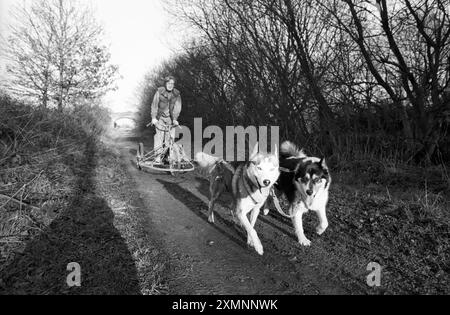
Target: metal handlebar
[{"x": 165, "y": 127}]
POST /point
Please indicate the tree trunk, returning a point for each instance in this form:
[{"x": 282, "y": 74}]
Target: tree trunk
[
  {"x": 61, "y": 58},
  {"x": 326, "y": 119},
  {"x": 407, "y": 131}
]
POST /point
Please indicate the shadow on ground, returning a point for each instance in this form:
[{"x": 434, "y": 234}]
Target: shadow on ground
[
  {"x": 198, "y": 207},
  {"x": 83, "y": 233}
]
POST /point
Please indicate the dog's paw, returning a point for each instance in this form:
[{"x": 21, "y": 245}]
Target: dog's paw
[
  {"x": 259, "y": 249},
  {"x": 266, "y": 211},
  {"x": 321, "y": 229},
  {"x": 305, "y": 242}
]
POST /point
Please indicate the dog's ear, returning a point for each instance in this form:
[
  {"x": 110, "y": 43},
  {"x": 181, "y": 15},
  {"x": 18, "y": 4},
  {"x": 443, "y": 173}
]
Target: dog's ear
[
  {"x": 323, "y": 165},
  {"x": 255, "y": 151}
]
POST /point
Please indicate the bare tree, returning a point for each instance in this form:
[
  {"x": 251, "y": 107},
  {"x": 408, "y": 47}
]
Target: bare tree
[
  {"x": 56, "y": 54},
  {"x": 376, "y": 71},
  {"x": 406, "y": 48}
]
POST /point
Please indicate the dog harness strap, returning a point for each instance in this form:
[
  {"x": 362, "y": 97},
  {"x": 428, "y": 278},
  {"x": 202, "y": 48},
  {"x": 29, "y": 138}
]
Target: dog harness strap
[
  {"x": 234, "y": 181},
  {"x": 248, "y": 188},
  {"x": 228, "y": 166},
  {"x": 278, "y": 206},
  {"x": 225, "y": 164}
]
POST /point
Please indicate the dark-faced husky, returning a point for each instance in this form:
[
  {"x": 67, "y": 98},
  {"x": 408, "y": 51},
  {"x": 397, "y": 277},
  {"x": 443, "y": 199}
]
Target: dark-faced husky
[
  {"x": 305, "y": 182},
  {"x": 249, "y": 183}
]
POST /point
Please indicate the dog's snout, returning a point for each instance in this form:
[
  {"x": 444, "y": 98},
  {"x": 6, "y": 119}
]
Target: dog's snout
[
  {"x": 309, "y": 192},
  {"x": 266, "y": 182}
]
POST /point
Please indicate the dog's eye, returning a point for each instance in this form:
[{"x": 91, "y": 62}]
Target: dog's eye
[{"x": 318, "y": 180}]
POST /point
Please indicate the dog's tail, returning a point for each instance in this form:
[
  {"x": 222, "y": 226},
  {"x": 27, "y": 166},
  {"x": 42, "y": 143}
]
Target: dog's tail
[
  {"x": 206, "y": 162},
  {"x": 288, "y": 150}
]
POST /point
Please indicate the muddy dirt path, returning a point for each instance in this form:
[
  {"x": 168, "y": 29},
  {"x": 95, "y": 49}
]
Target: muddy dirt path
[{"x": 215, "y": 259}]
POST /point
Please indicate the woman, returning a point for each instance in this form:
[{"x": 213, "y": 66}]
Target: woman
[{"x": 166, "y": 109}]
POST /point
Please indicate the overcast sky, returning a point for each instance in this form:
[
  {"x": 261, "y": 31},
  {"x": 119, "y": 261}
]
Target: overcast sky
[{"x": 140, "y": 36}]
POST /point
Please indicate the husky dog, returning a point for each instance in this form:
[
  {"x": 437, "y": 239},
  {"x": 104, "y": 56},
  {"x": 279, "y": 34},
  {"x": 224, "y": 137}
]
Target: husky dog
[
  {"x": 305, "y": 182},
  {"x": 249, "y": 183}
]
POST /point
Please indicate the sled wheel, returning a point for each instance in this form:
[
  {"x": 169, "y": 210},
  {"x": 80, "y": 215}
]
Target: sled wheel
[
  {"x": 139, "y": 155},
  {"x": 174, "y": 163},
  {"x": 141, "y": 150},
  {"x": 169, "y": 169},
  {"x": 174, "y": 167}
]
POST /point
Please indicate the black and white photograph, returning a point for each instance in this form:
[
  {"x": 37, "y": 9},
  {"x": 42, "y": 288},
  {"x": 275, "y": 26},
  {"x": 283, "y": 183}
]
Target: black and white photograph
[{"x": 224, "y": 154}]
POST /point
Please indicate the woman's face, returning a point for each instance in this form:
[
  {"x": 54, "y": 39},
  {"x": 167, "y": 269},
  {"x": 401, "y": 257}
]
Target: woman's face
[{"x": 170, "y": 85}]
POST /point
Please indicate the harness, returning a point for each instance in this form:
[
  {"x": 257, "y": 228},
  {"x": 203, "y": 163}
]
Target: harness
[
  {"x": 276, "y": 201},
  {"x": 239, "y": 178},
  {"x": 224, "y": 163},
  {"x": 249, "y": 190},
  {"x": 278, "y": 206},
  {"x": 221, "y": 175}
]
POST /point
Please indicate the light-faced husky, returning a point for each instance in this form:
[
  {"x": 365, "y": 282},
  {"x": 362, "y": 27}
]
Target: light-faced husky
[
  {"x": 249, "y": 183},
  {"x": 305, "y": 182}
]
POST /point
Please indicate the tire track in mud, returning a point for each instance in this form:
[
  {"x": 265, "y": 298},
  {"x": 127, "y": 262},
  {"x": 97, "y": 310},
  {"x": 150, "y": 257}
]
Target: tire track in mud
[{"x": 214, "y": 259}]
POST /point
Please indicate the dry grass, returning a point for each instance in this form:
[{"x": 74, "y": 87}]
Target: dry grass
[
  {"x": 402, "y": 221},
  {"x": 35, "y": 182},
  {"x": 47, "y": 218}
]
